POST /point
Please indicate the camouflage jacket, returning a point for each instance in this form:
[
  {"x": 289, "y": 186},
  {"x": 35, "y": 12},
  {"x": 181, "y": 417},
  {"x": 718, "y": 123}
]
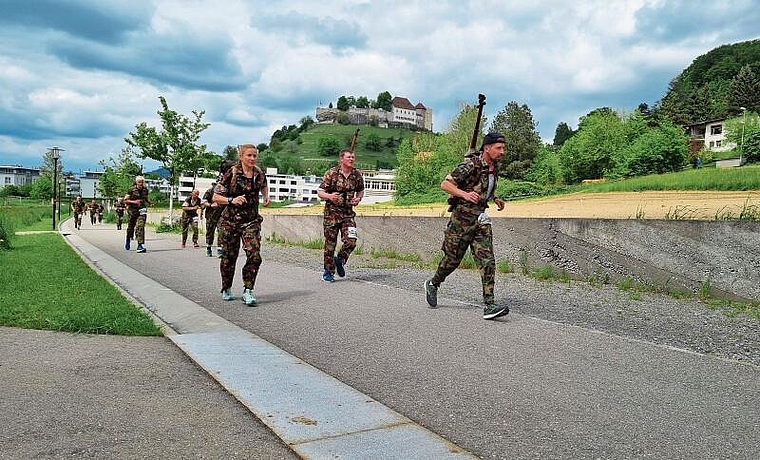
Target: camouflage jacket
[
  {"x": 78, "y": 207},
  {"x": 190, "y": 202},
  {"x": 472, "y": 175},
  {"x": 135, "y": 193},
  {"x": 233, "y": 183},
  {"x": 347, "y": 186}
]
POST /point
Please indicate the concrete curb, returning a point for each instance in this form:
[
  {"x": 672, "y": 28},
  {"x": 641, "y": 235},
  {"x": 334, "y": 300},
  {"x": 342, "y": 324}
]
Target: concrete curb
[{"x": 314, "y": 413}]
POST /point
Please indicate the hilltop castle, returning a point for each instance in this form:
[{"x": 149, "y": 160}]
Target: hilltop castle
[{"x": 402, "y": 114}]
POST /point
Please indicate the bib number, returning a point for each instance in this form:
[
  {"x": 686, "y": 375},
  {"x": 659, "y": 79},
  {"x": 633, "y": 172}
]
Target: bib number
[
  {"x": 196, "y": 219},
  {"x": 484, "y": 219},
  {"x": 353, "y": 233},
  {"x": 143, "y": 211}
]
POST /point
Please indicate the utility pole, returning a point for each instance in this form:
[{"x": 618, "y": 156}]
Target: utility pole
[
  {"x": 744, "y": 124},
  {"x": 56, "y": 151}
]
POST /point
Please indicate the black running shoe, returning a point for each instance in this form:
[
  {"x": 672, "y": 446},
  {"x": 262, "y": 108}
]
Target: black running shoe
[
  {"x": 493, "y": 311},
  {"x": 339, "y": 269},
  {"x": 431, "y": 294}
]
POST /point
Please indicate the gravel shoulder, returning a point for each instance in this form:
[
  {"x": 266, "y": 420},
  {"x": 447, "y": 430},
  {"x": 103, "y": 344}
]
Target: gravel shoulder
[{"x": 651, "y": 317}]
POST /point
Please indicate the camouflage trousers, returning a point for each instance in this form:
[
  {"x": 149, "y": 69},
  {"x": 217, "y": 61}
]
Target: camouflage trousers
[
  {"x": 331, "y": 230},
  {"x": 212, "y": 218},
  {"x": 462, "y": 233},
  {"x": 230, "y": 235},
  {"x": 187, "y": 223},
  {"x": 136, "y": 226},
  {"x": 119, "y": 219},
  {"x": 77, "y": 220},
  {"x": 93, "y": 217}
]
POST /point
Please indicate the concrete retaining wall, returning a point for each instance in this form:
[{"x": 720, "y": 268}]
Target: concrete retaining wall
[{"x": 677, "y": 254}]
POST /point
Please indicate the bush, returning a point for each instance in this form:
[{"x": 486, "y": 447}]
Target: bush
[
  {"x": 517, "y": 189},
  {"x": 165, "y": 227},
  {"x": 6, "y": 232}
]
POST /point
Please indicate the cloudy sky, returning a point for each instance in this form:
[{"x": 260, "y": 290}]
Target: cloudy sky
[{"x": 80, "y": 74}]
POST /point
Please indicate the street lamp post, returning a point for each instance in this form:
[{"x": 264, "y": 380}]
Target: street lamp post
[
  {"x": 56, "y": 151},
  {"x": 744, "y": 124}
]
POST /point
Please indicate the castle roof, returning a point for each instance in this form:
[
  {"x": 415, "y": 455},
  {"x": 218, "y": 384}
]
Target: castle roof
[{"x": 402, "y": 103}]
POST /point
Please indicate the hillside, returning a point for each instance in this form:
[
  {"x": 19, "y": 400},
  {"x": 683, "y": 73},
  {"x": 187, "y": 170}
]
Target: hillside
[
  {"x": 716, "y": 85},
  {"x": 304, "y": 147}
]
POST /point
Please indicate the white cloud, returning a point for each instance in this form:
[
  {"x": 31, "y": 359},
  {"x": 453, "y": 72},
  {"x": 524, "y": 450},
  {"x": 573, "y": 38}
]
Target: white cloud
[{"x": 81, "y": 75}]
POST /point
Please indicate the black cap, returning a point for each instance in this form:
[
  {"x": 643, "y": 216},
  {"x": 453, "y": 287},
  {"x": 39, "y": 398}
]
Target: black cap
[{"x": 493, "y": 138}]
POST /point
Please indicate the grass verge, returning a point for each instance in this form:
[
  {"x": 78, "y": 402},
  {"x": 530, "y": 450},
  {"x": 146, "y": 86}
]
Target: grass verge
[{"x": 46, "y": 285}]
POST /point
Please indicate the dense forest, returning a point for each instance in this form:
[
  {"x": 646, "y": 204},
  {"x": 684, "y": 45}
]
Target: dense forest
[{"x": 716, "y": 85}]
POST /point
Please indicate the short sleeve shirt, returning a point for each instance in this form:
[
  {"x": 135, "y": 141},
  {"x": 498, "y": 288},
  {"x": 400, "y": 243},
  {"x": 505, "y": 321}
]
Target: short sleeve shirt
[
  {"x": 190, "y": 202},
  {"x": 347, "y": 186},
  {"x": 232, "y": 184},
  {"x": 135, "y": 193},
  {"x": 472, "y": 175}
]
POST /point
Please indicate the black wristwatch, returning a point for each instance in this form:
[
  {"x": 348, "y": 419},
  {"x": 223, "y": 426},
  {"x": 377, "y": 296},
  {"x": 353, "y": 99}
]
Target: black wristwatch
[{"x": 229, "y": 200}]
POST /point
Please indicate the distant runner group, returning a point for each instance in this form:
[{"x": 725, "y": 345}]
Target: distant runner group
[{"x": 231, "y": 208}]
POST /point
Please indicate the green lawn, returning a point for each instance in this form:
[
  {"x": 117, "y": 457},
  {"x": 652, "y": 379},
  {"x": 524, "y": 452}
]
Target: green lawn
[{"x": 46, "y": 285}]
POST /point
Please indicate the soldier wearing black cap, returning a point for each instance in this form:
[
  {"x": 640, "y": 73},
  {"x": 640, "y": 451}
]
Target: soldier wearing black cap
[{"x": 471, "y": 185}]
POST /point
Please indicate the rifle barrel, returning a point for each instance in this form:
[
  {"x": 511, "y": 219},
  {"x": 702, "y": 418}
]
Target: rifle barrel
[{"x": 476, "y": 132}]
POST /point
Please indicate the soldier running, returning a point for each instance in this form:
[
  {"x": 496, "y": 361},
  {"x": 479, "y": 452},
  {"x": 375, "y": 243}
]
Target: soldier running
[
  {"x": 78, "y": 207},
  {"x": 472, "y": 184},
  {"x": 119, "y": 209},
  {"x": 137, "y": 201},
  {"x": 342, "y": 188},
  {"x": 93, "y": 208},
  {"x": 239, "y": 188},
  {"x": 190, "y": 217}
]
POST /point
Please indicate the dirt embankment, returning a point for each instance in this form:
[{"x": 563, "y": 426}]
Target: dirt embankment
[{"x": 615, "y": 205}]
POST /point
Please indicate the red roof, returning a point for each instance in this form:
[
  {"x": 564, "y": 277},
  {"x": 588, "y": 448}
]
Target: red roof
[
  {"x": 402, "y": 103},
  {"x": 420, "y": 106}
]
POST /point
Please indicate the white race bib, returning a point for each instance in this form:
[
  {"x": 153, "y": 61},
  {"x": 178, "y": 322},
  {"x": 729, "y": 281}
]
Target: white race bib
[
  {"x": 484, "y": 219},
  {"x": 143, "y": 211},
  {"x": 353, "y": 233},
  {"x": 196, "y": 219}
]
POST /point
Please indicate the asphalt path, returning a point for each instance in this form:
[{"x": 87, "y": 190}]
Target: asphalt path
[{"x": 518, "y": 387}]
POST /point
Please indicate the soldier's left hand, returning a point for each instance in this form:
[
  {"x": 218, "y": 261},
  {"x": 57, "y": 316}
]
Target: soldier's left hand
[{"x": 499, "y": 203}]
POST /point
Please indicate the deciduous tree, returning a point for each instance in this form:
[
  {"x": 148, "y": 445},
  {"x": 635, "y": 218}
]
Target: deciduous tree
[
  {"x": 516, "y": 123},
  {"x": 175, "y": 145}
]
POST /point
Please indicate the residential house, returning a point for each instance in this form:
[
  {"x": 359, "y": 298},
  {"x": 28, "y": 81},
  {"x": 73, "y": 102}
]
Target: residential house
[{"x": 709, "y": 134}]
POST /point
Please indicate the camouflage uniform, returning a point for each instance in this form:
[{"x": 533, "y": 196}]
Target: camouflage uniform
[
  {"x": 465, "y": 231},
  {"x": 190, "y": 219},
  {"x": 212, "y": 215},
  {"x": 240, "y": 223},
  {"x": 93, "y": 208},
  {"x": 119, "y": 208},
  {"x": 136, "y": 224},
  {"x": 340, "y": 216},
  {"x": 78, "y": 208},
  {"x": 101, "y": 210}
]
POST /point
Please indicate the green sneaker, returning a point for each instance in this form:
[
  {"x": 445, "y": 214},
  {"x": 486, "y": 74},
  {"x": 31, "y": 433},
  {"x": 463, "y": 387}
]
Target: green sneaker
[
  {"x": 431, "y": 294},
  {"x": 492, "y": 311},
  {"x": 248, "y": 297}
]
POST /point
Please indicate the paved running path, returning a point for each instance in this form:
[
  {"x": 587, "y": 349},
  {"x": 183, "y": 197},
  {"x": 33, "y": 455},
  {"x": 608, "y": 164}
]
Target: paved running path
[{"x": 514, "y": 388}]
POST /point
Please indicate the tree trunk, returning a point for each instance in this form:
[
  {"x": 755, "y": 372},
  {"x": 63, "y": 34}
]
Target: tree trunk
[{"x": 171, "y": 205}]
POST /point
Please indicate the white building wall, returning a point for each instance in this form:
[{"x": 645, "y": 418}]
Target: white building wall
[
  {"x": 88, "y": 188},
  {"x": 17, "y": 175},
  {"x": 715, "y": 137}
]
